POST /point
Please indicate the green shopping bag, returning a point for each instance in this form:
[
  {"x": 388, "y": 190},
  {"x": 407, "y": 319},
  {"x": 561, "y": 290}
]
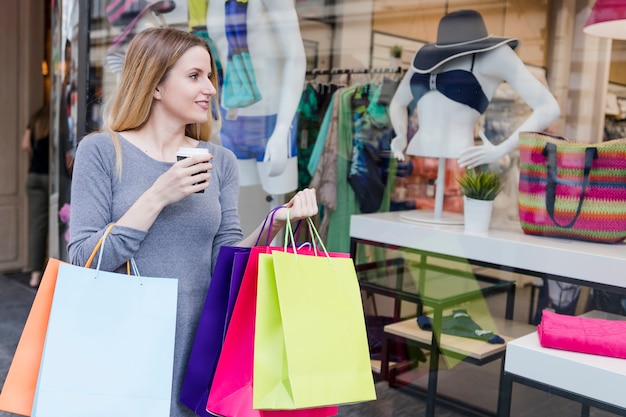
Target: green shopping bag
[{"x": 310, "y": 346}]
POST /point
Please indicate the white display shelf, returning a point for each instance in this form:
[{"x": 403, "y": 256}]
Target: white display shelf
[{"x": 586, "y": 263}]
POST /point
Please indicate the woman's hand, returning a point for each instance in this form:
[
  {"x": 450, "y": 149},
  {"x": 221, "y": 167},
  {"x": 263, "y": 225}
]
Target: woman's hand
[
  {"x": 188, "y": 176},
  {"x": 301, "y": 206}
]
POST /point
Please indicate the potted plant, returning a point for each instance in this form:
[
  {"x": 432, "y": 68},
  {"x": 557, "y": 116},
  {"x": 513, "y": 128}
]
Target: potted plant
[
  {"x": 479, "y": 188},
  {"x": 395, "y": 52}
]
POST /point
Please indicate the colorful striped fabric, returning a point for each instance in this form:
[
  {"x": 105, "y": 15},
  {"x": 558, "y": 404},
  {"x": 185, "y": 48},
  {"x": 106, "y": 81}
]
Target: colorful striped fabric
[{"x": 595, "y": 211}]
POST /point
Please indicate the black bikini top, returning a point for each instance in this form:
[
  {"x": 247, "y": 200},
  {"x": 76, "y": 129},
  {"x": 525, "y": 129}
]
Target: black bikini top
[{"x": 458, "y": 85}]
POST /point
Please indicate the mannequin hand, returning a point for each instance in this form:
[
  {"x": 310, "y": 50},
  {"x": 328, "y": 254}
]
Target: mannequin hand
[
  {"x": 277, "y": 151},
  {"x": 398, "y": 144},
  {"x": 301, "y": 206},
  {"x": 480, "y": 155}
]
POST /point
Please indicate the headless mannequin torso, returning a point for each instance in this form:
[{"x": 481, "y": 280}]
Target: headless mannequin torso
[
  {"x": 446, "y": 126},
  {"x": 279, "y": 62}
]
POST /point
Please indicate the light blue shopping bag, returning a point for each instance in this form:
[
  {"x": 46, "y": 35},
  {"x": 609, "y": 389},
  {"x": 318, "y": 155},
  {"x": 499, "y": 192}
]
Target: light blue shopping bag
[{"x": 109, "y": 346}]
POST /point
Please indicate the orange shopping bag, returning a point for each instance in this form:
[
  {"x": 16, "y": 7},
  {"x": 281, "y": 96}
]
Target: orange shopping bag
[{"x": 18, "y": 391}]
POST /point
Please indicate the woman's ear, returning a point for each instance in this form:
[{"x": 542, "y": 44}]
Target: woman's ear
[{"x": 157, "y": 94}]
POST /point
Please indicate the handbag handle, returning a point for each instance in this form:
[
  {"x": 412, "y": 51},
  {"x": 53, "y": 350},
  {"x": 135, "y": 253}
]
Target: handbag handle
[
  {"x": 99, "y": 245},
  {"x": 269, "y": 216},
  {"x": 550, "y": 150},
  {"x": 289, "y": 237}
]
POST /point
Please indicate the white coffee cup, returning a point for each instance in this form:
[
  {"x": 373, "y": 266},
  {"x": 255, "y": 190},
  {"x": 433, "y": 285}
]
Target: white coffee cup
[{"x": 183, "y": 153}]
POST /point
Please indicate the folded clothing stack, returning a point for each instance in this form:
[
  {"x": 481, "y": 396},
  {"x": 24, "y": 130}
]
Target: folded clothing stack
[{"x": 582, "y": 334}]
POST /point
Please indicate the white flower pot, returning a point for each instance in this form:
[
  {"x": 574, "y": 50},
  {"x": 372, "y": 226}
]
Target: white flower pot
[{"x": 477, "y": 215}]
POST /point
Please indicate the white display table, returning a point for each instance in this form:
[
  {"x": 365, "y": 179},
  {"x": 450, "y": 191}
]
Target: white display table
[
  {"x": 505, "y": 247},
  {"x": 594, "y": 264}
]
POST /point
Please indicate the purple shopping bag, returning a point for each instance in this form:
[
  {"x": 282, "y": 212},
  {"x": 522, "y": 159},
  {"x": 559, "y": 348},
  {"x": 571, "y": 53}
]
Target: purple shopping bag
[{"x": 229, "y": 268}]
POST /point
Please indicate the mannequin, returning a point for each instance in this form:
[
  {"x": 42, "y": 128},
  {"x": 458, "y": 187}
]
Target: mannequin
[
  {"x": 260, "y": 132},
  {"x": 449, "y": 112}
]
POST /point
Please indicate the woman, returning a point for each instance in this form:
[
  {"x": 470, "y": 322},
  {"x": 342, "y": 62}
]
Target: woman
[
  {"x": 35, "y": 144},
  {"x": 171, "y": 217}
]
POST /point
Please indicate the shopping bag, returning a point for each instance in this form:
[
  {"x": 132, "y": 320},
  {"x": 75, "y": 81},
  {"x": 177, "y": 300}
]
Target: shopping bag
[
  {"x": 109, "y": 345},
  {"x": 572, "y": 190},
  {"x": 19, "y": 386},
  {"x": 221, "y": 296},
  {"x": 231, "y": 392},
  {"x": 310, "y": 346}
]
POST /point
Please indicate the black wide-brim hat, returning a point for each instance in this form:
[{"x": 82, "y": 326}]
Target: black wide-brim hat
[{"x": 461, "y": 32}]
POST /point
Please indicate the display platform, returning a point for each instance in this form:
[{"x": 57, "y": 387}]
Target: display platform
[{"x": 505, "y": 247}]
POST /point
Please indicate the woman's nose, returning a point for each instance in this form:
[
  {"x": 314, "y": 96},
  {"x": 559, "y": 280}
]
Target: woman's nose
[{"x": 208, "y": 88}]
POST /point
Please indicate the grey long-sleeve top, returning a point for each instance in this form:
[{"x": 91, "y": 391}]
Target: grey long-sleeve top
[{"x": 182, "y": 243}]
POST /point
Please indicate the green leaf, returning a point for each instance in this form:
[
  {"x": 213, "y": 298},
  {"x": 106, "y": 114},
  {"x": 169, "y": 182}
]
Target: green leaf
[{"x": 480, "y": 184}]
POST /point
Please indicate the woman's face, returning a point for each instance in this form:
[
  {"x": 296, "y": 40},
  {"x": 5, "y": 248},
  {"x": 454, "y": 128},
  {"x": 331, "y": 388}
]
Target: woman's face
[{"x": 186, "y": 92}]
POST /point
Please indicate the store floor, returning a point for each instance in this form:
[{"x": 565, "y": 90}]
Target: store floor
[{"x": 476, "y": 385}]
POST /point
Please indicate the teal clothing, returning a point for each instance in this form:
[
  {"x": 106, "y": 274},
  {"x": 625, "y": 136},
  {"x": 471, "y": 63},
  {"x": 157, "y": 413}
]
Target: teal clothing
[
  {"x": 339, "y": 228},
  {"x": 240, "y": 87},
  {"x": 309, "y": 116},
  {"x": 316, "y": 153}
]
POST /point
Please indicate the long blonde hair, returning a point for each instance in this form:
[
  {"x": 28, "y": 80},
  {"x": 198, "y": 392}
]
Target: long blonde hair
[{"x": 149, "y": 59}]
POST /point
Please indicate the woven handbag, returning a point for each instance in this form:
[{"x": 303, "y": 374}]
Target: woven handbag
[{"x": 572, "y": 190}]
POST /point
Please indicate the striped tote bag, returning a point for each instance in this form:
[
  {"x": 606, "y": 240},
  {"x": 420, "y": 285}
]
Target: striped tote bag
[{"x": 572, "y": 190}]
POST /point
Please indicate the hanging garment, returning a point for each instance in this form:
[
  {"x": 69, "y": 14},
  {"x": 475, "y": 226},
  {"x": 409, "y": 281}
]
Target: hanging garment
[
  {"x": 325, "y": 176},
  {"x": 309, "y": 123},
  {"x": 240, "y": 88},
  {"x": 339, "y": 223},
  {"x": 365, "y": 172}
]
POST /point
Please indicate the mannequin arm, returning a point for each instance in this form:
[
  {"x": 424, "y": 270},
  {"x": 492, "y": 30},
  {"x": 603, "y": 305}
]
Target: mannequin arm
[
  {"x": 399, "y": 117},
  {"x": 284, "y": 21},
  {"x": 504, "y": 63}
]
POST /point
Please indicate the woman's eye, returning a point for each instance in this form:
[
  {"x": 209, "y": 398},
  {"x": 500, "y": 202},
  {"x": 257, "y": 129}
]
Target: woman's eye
[{"x": 194, "y": 76}]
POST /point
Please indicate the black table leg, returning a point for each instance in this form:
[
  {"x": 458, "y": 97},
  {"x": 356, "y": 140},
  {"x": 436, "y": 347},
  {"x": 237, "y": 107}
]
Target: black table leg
[{"x": 506, "y": 389}]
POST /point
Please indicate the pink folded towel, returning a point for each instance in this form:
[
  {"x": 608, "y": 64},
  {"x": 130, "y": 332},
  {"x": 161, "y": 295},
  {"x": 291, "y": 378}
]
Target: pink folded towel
[{"x": 582, "y": 334}]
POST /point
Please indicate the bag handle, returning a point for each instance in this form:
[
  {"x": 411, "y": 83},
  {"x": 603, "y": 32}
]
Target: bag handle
[
  {"x": 289, "y": 237},
  {"x": 550, "y": 151},
  {"x": 100, "y": 245},
  {"x": 269, "y": 216},
  {"x": 315, "y": 236}
]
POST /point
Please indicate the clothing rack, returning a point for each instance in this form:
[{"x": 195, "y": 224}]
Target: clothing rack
[{"x": 349, "y": 71}]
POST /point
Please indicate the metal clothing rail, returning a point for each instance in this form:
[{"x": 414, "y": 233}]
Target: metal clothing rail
[
  {"x": 349, "y": 71},
  {"x": 335, "y": 71}
]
